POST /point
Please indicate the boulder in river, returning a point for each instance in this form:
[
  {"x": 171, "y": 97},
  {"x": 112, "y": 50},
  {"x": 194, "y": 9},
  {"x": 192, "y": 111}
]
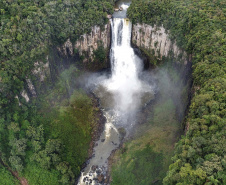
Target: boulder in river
[
  {"x": 120, "y": 8},
  {"x": 94, "y": 167},
  {"x": 106, "y": 181},
  {"x": 116, "y": 9},
  {"x": 100, "y": 178}
]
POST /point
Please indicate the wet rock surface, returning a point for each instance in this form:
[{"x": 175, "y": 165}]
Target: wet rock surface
[{"x": 97, "y": 176}]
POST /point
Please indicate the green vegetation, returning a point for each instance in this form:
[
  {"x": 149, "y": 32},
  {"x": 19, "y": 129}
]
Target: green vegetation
[
  {"x": 36, "y": 175},
  {"x": 6, "y": 177},
  {"x": 48, "y": 139},
  {"x": 199, "y": 28},
  {"x": 136, "y": 171},
  {"x": 61, "y": 117},
  {"x": 73, "y": 127}
]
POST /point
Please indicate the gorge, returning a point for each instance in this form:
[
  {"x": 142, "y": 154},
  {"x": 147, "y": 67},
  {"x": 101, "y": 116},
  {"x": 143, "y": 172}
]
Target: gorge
[
  {"x": 89, "y": 95},
  {"x": 127, "y": 91}
]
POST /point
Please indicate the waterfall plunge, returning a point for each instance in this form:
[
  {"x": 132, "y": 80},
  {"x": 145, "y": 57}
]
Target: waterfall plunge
[{"x": 124, "y": 84}]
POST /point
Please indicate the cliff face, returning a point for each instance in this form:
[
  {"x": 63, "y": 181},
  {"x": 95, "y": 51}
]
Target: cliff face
[
  {"x": 80, "y": 51},
  {"x": 155, "y": 41},
  {"x": 88, "y": 43}
]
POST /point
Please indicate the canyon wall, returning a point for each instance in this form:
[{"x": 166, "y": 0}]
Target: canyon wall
[
  {"x": 152, "y": 40},
  {"x": 81, "y": 51},
  {"x": 155, "y": 41},
  {"x": 88, "y": 43}
]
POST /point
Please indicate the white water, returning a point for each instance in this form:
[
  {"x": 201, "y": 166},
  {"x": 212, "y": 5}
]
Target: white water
[
  {"x": 127, "y": 91},
  {"x": 124, "y": 82}
]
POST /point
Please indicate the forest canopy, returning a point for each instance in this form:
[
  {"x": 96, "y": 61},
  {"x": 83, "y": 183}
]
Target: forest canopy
[
  {"x": 199, "y": 28},
  {"x": 32, "y": 137}
]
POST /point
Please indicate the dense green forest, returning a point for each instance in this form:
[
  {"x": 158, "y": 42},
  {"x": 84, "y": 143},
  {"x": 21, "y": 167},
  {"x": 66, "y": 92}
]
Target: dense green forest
[
  {"x": 199, "y": 28},
  {"x": 62, "y": 117}
]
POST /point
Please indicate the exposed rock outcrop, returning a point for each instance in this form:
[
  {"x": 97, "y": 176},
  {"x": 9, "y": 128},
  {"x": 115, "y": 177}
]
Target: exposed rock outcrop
[
  {"x": 31, "y": 87},
  {"x": 25, "y": 95},
  {"x": 156, "y": 41},
  {"x": 88, "y": 43},
  {"x": 41, "y": 70}
]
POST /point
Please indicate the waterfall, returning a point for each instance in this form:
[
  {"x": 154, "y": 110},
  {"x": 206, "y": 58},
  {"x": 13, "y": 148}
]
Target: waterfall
[
  {"x": 125, "y": 66},
  {"x": 120, "y": 96}
]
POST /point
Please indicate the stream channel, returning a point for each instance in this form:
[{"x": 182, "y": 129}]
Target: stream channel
[{"x": 120, "y": 95}]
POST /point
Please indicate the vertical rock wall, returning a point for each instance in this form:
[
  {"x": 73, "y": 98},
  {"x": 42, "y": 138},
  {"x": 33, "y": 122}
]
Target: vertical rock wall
[
  {"x": 88, "y": 43},
  {"x": 156, "y": 41}
]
